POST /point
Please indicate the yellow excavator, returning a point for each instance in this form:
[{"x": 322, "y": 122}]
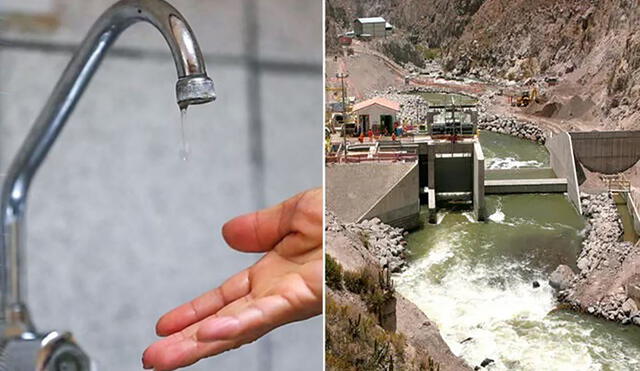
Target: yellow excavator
[{"x": 525, "y": 98}]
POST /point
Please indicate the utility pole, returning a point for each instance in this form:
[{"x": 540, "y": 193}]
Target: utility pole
[
  {"x": 418, "y": 114},
  {"x": 342, "y": 76}
]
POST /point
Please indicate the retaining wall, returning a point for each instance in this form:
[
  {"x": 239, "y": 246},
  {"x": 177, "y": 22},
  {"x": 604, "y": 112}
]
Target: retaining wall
[
  {"x": 563, "y": 164},
  {"x": 606, "y": 152},
  {"x": 633, "y": 210},
  {"x": 478, "y": 182},
  {"x": 386, "y": 190},
  {"x": 399, "y": 206}
]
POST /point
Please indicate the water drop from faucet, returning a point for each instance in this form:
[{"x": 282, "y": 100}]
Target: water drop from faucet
[{"x": 184, "y": 150}]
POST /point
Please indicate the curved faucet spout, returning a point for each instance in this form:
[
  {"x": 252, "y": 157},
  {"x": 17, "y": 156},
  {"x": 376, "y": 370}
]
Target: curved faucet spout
[{"x": 193, "y": 87}]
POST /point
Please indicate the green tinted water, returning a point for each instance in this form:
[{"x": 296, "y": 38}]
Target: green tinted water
[
  {"x": 507, "y": 152},
  {"x": 476, "y": 280},
  {"x": 625, "y": 216}
]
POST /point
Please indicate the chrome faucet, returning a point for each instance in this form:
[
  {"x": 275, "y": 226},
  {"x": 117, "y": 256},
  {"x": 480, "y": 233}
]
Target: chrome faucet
[{"x": 22, "y": 348}]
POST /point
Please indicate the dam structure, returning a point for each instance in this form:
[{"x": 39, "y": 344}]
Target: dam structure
[
  {"x": 603, "y": 152},
  {"x": 442, "y": 162}
]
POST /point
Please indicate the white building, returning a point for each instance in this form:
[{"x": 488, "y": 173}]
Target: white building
[
  {"x": 378, "y": 114},
  {"x": 372, "y": 26}
]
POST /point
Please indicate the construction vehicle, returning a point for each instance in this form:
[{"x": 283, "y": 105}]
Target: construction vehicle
[{"x": 525, "y": 98}]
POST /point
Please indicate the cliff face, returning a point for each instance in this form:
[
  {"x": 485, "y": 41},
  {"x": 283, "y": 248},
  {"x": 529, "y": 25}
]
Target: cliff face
[{"x": 597, "y": 43}]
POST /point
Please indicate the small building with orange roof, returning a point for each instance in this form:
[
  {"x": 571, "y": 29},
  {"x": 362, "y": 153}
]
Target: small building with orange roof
[{"x": 378, "y": 114}]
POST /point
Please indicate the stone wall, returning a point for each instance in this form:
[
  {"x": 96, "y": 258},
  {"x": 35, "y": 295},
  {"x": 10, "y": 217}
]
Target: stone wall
[
  {"x": 604, "y": 283},
  {"x": 511, "y": 126},
  {"x": 564, "y": 165}
]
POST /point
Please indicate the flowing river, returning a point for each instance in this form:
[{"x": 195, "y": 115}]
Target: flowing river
[{"x": 475, "y": 280}]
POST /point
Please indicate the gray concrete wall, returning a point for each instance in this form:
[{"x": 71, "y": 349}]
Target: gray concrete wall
[
  {"x": 607, "y": 152},
  {"x": 520, "y": 173},
  {"x": 400, "y": 204},
  {"x": 633, "y": 210},
  {"x": 479, "y": 207},
  {"x": 352, "y": 189},
  {"x": 120, "y": 228},
  {"x": 564, "y": 165},
  {"x": 454, "y": 174},
  {"x": 511, "y": 186}
]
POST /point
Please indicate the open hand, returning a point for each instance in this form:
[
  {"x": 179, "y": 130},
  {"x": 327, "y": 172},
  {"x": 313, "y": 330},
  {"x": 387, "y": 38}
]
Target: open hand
[{"x": 285, "y": 285}]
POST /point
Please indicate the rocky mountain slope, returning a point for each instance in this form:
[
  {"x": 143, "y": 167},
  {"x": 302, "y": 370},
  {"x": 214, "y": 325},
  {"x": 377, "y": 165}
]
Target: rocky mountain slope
[
  {"x": 592, "y": 46},
  {"x": 426, "y": 23}
]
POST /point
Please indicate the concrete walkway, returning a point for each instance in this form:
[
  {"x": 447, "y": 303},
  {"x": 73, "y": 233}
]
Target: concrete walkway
[{"x": 507, "y": 186}]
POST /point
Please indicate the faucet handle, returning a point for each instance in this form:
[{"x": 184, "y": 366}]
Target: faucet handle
[{"x": 54, "y": 351}]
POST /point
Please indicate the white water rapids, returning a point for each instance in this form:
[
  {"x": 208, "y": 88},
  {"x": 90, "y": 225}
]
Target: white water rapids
[{"x": 475, "y": 280}]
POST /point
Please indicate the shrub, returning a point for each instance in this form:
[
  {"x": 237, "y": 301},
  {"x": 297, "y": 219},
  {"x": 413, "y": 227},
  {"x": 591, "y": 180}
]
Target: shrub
[
  {"x": 355, "y": 342},
  {"x": 353, "y": 282},
  {"x": 430, "y": 54},
  {"x": 359, "y": 282},
  {"x": 333, "y": 275},
  {"x": 364, "y": 238}
]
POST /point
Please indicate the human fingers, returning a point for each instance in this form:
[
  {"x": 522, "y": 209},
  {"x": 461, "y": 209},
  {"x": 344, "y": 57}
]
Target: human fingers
[
  {"x": 205, "y": 305},
  {"x": 262, "y": 230},
  {"x": 242, "y": 325}
]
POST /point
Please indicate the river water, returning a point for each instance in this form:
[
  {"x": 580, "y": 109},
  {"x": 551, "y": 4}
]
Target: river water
[{"x": 475, "y": 280}]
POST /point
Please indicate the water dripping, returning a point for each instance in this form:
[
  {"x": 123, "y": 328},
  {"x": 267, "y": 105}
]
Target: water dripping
[{"x": 184, "y": 147}]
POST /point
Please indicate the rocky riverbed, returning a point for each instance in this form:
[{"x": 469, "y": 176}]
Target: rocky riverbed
[
  {"x": 383, "y": 241},
  {"x": 607, "y": 266}
]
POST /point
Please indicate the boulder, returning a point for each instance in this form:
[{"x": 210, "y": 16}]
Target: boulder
[
  {"x": 486, "y": 362},
  {"x": 561, "y": 278},
  {"x": 629, "y": 306}
]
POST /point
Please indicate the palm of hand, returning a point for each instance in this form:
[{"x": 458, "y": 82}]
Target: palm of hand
[{"x": 285, "y": 285}]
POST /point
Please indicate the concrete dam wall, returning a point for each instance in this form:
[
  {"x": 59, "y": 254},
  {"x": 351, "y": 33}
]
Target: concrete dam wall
[
  {"x": 606, "y": 152},
  {"x": 386, "y": 190},
  {"x": 564, "y": 164}
]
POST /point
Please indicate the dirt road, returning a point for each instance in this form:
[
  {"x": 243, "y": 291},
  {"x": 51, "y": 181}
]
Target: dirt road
[{"x": 370, "y": 71}]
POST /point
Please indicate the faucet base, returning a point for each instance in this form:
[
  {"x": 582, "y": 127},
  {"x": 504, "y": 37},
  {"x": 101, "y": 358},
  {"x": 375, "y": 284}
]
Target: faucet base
[{"x": 37, "y": 352}]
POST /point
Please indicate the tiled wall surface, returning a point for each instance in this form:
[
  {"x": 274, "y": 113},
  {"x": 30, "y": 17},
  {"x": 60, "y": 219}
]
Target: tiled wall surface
[{"x": 120, "y": 228}]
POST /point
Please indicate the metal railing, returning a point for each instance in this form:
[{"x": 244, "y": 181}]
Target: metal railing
[
  {"x": 365, "y": 157},
  {"x": 616, "y": 183}
]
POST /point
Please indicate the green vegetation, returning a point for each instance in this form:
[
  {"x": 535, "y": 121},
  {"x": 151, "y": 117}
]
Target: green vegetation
[
  {"x": 355, "y": 338},
  {"x": 430, "y": 54},
  {"x": 334, "y": 273},
  {"x": 402, "y": 51},
  {"x": 374, "y": 286},
  {"x": 355, "y": 342},
  {"x": 364, "y": 238}
]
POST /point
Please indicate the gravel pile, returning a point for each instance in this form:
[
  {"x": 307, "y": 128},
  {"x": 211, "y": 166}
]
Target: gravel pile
[
  {"x": 411, "y": 105},
  {"x": 601, "y": 258},
  {"x": 383, "y": 241}
]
